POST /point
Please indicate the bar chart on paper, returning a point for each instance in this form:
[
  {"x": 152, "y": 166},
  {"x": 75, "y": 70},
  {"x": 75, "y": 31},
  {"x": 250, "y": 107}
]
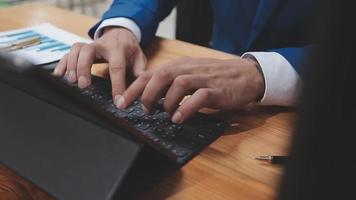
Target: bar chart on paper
[{"x": 53, "y": 43}]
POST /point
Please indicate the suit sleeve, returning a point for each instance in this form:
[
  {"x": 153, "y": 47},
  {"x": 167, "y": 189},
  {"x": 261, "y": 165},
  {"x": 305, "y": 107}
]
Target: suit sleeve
[
  {"x": 145, "y": 13},
  {"x": 296, "y": 56}
]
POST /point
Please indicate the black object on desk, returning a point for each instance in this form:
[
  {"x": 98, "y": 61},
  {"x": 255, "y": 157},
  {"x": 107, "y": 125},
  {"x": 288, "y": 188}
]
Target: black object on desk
[{"x": 75, "y": 144}]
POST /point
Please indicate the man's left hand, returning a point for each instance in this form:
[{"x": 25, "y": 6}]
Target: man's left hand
[{"x": 212, "y": 83}]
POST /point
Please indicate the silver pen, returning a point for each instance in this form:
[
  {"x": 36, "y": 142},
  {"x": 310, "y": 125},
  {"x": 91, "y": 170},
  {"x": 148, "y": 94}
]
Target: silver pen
[{"x": 273, "y": 159}]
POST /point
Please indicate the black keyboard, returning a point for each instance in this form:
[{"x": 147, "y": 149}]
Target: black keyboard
[{"x": 180, "y": 142}]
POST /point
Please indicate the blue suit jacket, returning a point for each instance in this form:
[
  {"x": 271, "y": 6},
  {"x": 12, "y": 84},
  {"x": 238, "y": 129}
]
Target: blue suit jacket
[{"x": 282, "y": 26}]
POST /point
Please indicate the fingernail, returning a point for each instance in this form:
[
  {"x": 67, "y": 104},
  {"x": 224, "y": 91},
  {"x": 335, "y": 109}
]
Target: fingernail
[
  {"x": 119, "y": 101},
  {"x": 177, "y": 117},
  {"x": 83, "y": 82},
  {"x": 145, "y": 110},
  {"x": 72, "y": 76}
]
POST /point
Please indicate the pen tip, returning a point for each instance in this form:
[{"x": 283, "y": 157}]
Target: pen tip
[{"x": 265, "y": 157}]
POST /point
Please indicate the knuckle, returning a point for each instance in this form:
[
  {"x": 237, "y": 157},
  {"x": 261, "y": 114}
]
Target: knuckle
[
  {"x": 126, "y": 44},
  {"x": 211, "y": 82},
  {"x": 99, "y": 45},
  {"x": 163, "y": 74},
  {"x": 71, "y": 67},
  {"x": 204, "y": 93},
  {"x": 145, "y": 76},
  {"x": 181, "y": 81},
  {"x": 88, "y": 48},
  {"x": 116, "y": 69},
  {"x": 83, "y": 68},
  {"x": 77, "y": 45}
]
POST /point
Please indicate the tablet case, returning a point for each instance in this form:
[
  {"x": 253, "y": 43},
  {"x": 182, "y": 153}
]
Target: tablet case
[{"x": 67, "y": 156}]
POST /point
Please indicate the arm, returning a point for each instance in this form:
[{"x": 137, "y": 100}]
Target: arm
[
  {"x": 219, "y": 84},
  {"x": 146, "y": 14},
  {"x": 118, "y": 46}
]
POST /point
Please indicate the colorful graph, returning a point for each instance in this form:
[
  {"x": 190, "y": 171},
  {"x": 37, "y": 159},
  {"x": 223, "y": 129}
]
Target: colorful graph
[
  {"x": 54, "y": 42},
  {"x": 46, "y": 44}
]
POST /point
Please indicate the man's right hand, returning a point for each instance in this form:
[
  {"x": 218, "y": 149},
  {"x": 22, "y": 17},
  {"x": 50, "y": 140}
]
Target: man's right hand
[{"x": 118, "y": 46}]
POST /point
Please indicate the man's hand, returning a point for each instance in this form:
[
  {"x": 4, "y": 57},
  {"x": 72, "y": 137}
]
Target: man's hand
[
  {"x": 117, "y": 46},
  {"x": 218, "y": 84}
]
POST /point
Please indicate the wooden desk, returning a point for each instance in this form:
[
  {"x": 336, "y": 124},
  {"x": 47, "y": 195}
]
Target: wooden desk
[{"x": 226, "y": 169}]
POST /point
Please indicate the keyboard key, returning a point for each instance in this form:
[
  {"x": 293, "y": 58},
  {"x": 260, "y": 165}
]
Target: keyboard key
[
  {"x": 147, "y": 118},
  {"x": 179, "y": 151},
  {"x": 166, "y": 144},
  {"x": 143, "y": 125},
  {"x": 139, "y": 113}
]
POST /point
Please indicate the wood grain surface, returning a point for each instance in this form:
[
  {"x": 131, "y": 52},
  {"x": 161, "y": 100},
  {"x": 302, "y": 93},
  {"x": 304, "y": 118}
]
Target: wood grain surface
[{"x": 224, "y": 170}]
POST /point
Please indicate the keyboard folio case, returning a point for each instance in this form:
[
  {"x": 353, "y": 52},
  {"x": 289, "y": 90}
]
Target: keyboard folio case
[{"x": 68, "y": 156}]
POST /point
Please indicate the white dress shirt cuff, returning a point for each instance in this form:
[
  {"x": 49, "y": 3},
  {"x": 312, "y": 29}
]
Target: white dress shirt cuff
[
  {"x": 282, "y": 83},
  {"x": 119, "y": 22}
]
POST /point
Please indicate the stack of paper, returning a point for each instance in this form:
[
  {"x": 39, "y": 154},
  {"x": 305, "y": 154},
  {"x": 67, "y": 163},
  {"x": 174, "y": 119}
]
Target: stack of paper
[{"x": 54, "y": 43}]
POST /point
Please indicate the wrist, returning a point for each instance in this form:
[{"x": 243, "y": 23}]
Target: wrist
[
  {"x": 118, "y": 28},
  {"x": 258, "y": 79},
  {"x": 109, "y": 28}
]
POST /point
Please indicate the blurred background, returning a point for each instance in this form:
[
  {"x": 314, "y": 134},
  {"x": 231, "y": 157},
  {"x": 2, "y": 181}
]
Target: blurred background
[{"x": 96, "y": 8}]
